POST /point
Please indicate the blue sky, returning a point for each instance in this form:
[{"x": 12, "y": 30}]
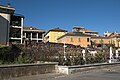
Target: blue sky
[{"x": 96, "y": 15}]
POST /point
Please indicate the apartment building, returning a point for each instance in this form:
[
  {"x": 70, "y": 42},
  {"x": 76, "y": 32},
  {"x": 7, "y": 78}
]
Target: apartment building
[
  {"x": 5, "y": 19},
  {"x": 16, "y": 29},
  {"x": 33, "y": 34},
  {"x": 53, "y": 34},
  {"x": 75, "y": 38}
]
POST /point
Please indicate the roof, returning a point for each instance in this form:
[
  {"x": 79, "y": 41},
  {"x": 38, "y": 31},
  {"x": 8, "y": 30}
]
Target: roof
[
  {"x": 56, "y": 30},
  {"x": 32, "y": 29},
  {"x": 99, "y": 37},
  {"x": 6, "y": 9},
  {"x": 114, "y": 35},
  {"x": 82, "y": 29},
  {"x": 78, "y": 27},
  {"x": 19, "y": 15},
  {"x": 75, "y": 34},
  {"x": 92, "y": 32}
]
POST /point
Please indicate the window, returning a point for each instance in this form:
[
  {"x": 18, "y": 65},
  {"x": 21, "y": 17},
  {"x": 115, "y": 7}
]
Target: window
[
  {"x": 101, "y": 41},
  {"x": 78, "y": 39},
  {"x": 94, "y": 41},
  {"x": 109, "y": 42},
  {"x": 113, "y": 42},
  {"x": 71, "y": 39},
  {"x": 58, "y": 32},
  {"x": 88, "y": 39}
]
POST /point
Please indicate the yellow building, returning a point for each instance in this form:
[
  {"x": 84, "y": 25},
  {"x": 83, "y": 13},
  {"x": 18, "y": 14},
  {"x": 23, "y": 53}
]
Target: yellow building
[{"x": 53, "y": 34}]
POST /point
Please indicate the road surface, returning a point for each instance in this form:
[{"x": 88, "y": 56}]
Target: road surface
[{"x": 112, "y": 73}]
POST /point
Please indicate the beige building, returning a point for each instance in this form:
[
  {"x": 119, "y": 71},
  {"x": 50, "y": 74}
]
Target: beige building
[
  {"x": 33, "y": 34},
  {"x": 5, "y": 16}
]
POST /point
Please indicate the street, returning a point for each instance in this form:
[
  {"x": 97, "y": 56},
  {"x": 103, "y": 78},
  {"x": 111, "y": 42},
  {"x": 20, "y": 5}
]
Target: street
[{"x": 112, "y": 73}]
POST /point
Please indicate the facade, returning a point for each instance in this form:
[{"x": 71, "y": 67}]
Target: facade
[
  {"x": 33, "y": 34},
  {"x": 53, "y": 34},
  {"x": 5, "y": 12},
  {"x": 16, "y": 29},
  {"x": 75, "y": 38},
  {"x": 96, "y": 41},
  {"x": 115, "y": 41},
  {"x": 12, "y": 30},
  {"x": 114, "y": 38}
]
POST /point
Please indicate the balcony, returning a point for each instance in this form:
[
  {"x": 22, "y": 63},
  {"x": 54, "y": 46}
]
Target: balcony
[{"x": 15, "y": 33}]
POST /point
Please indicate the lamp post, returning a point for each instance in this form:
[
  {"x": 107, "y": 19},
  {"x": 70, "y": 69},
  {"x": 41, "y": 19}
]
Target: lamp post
[{"x": 64, "y": 50}]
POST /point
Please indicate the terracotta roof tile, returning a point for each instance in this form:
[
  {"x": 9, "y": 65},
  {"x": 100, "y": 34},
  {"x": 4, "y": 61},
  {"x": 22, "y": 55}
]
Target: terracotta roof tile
[{"x": 58, "y": 29}]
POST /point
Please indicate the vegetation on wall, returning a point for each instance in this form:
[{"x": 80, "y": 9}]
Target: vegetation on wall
[{"x": 31, "y": 53}]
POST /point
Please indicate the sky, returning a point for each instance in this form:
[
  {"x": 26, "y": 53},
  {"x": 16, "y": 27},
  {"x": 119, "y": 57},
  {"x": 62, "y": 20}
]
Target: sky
[{"x": 95, "y": 15}]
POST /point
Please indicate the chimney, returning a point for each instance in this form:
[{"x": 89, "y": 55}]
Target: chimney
[{"x": 8, "y": 4}]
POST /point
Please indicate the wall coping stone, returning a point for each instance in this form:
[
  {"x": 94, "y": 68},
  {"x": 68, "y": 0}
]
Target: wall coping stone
[
  {"x": 33, "y": 64},
  {"x": 79, "y": 68}
]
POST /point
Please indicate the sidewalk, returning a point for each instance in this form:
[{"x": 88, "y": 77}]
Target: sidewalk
[{"x": 48, "y": 76}]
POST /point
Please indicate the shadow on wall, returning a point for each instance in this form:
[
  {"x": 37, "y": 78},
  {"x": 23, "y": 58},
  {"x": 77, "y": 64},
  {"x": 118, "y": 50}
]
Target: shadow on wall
[{"x": 4, "y": 30}]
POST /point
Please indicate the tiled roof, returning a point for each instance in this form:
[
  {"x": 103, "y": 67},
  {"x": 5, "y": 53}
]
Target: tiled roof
[
  {"x": 114, "y": 35},
  {"x": 58, "y": 29},
  {"x": 99, "y": 37},
  {"x": 32, "y": 29},
  {"x": 92, "y": 32},
  {"x": 75, "y": 34}
]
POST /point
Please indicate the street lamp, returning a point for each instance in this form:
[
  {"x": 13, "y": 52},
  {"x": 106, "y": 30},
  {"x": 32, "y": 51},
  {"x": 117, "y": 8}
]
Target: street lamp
[{"x": 64, "y": 50}]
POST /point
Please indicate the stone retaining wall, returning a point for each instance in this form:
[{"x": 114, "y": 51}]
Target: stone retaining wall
[
  {"x": 8, "y": 71},
  {"x": 80, "y": 68}
]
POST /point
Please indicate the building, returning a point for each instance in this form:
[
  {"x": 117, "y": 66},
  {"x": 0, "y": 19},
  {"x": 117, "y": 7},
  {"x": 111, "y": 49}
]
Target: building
[
  {"x": 115, "y": 40},
  {"x": 5, "y": 16},
  {"x": 33, "y": 34},
  {"x": 16, "y": 29},
  {"x": 77, "y": 29},
  {"x": 100, "y": 41},
  {"x": 75, "y": 38},
  {"x": 53, "y": 34},
  {"x": 12, "y": 28},
  {"x": 85, "y": 31}
]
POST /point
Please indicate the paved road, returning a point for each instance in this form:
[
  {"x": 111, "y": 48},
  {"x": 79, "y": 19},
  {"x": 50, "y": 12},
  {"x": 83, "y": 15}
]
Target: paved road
[{"x": 112, "y": 73}]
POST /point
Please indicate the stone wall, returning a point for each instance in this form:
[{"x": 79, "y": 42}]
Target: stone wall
[
  {"x": 8, "y": 71},
  {"x": 81, "y": 68}
]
